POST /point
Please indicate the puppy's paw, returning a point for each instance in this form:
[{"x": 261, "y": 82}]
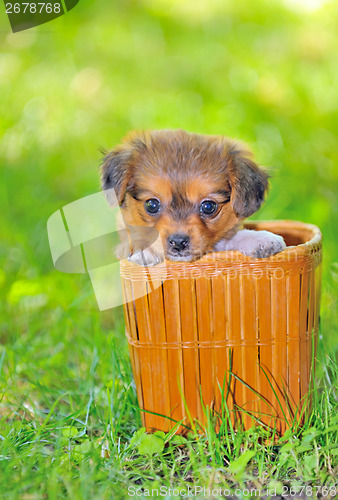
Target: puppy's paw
[
  {"x": 122, "y": 251},
  {"x": 257, "y": 244},
  {"x": 146, "y": 257},
  {"x": 267, "y": 245},
  {"x": 144, "y": 252}
]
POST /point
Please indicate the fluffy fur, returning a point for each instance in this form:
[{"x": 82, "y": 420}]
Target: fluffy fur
[{"x": 182, "y": 171}]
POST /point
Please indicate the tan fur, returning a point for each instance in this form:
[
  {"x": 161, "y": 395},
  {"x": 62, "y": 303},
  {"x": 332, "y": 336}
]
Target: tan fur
[{"x": 182, "y": 170}]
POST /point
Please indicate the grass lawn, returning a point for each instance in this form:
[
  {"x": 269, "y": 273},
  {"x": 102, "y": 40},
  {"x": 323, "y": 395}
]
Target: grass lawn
[{"x": 265, "y": 73}]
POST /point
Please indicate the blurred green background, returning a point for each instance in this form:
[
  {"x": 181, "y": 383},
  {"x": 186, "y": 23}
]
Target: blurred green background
[{"x": 263, "y": 72}]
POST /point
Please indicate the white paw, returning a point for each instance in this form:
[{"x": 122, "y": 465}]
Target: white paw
[
  {"x": 267, "y": 245},
  {"x": 146, "y": 257},
  {"x": 257, "y": 244}
]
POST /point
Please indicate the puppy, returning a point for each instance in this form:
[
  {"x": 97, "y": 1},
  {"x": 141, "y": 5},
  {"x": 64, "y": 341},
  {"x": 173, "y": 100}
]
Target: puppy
[{"x": 193, "y": 190}]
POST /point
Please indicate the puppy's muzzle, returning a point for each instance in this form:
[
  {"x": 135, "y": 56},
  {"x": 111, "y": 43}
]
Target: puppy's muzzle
[{"x": 178, "y": 242}]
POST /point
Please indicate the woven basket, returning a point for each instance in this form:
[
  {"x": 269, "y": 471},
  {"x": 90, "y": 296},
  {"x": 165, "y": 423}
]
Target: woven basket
[{"x": 226, "y": 324}]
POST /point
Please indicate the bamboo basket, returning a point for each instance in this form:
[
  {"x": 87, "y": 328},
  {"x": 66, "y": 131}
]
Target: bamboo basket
[{"x": 227, "y": 334}]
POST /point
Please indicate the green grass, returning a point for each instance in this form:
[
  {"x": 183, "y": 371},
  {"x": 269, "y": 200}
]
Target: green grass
[
  {"x": 69, "y": 422},
  {"x": 264, "y": 74}
]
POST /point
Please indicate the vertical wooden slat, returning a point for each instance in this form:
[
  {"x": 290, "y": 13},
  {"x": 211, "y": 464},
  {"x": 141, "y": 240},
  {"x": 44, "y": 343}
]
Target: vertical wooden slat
[
  {"x": 303, "y": 348},
  {"x": 134, "y": 353},
  {"x": 160, "y": 372},
  {"x": 318, "y": 279},
  {"x": 279, "y": 348},
  {"x": 265, "y": 334},
  {"x": 190, "y": 353},
  {"x": 175, "y": 355},
  {"x": 318, "y": 273},
  {"x": 237, "y": 358},
  {"x": 134, "y": 335},
  {"x": 205, "y": 336},
  {"x": 230, "y": 380},
  {"x": 310, "y": 316},
  {"x": 293, "y": 340},
  {"x": 140, "y": 289},
  {"x": 220, "y": 354},
  {"x": 249, "y": 349},
  {"x": 311, "y": 333}
]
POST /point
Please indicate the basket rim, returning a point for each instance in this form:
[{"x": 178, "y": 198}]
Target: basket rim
[
  {"x": 289, "y": 224},
  {"x": 313, "y": 245},
  {"x": 306, "y": 254}
]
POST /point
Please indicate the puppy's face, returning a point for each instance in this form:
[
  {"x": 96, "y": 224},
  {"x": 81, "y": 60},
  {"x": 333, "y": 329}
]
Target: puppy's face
[{"x": 193, "y": 189}]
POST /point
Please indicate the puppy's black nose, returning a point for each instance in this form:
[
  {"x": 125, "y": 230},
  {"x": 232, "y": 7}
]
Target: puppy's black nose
[{"x": 178, "y": 242}]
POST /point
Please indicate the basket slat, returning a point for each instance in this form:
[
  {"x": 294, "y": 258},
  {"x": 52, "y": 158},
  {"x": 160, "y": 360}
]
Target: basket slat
[
  {"x": 304, "y": 338},
  {"x": 175, "y": 356},
  {"x": 135, "y": 357},
  {"x": 238, "y": 351},
  {"x": 159, "y": 367},
  {"x": 142, "y": 315},
  {"x": 205, "y": 334},
  {"x": 293, "y": 345},
  {"x": 220, "y": 356},
  {"x": 279, "y": 349},
  {"x": 250, "y": 348},
  {"x": 191, "y": 370},
  {"x": 263, "y": 304}
]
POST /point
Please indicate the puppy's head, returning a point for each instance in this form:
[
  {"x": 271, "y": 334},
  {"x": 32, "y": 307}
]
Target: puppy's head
[{"x": 194, "y": 189}]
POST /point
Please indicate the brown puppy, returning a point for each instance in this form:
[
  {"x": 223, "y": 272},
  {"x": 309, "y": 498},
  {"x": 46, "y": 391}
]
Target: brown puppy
[{"x": 193, "y": 189}]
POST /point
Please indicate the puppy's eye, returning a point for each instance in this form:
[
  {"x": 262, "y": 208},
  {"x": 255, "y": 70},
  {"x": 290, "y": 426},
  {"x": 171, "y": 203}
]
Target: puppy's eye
[
  {"x": 152, "y": 206},
  {"x": 208, "y": 207}
]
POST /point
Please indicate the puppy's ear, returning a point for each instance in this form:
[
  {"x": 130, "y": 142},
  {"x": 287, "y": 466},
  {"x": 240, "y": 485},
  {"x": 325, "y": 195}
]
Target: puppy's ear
[
  {"x": 115, "y": 172},
  {"x": 248, "y": 183}
]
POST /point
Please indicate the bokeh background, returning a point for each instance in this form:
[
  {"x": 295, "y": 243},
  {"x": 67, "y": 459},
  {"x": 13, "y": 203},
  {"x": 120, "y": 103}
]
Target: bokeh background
[{"x": 263, "y": 72}]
